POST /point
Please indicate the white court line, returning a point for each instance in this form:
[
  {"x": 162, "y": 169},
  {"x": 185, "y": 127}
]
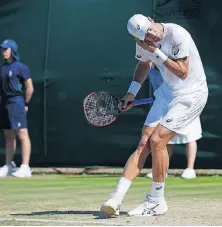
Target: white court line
[{"x": 65, "y": 221}]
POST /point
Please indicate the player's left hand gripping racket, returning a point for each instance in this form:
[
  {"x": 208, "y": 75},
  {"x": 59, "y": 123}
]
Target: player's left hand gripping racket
[{"x": 101, "y": 108}]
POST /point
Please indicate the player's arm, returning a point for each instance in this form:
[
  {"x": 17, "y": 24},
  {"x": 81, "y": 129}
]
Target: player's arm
[
  {"x": 141, "y": 71},
  {"x": 178, "y": 67},
  {"x": 178, "y": 61}
]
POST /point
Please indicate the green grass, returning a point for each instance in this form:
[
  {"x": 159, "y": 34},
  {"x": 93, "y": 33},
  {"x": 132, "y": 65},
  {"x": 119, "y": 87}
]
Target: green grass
[
  {"x": 44, "y": 196},
  {"x": 48, "y": 184}
]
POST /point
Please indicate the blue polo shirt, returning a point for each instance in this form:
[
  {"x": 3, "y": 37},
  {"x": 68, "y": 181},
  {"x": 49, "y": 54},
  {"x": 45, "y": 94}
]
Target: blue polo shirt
[{"x": 12, "y": 79}]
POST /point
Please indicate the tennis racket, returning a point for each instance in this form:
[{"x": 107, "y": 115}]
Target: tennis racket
[{"x": 102, "y": 108}]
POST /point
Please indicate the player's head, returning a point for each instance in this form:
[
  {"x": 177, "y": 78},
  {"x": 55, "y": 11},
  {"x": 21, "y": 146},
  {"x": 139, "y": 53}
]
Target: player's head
[
  {"x": 144, "y": 28},
  {"x": 9, "y": 49}
]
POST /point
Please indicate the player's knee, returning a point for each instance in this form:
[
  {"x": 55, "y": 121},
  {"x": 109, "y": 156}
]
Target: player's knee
[{"x": 155, "y": 141}]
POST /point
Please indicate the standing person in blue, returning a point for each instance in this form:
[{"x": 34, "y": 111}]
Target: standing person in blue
[
  {"x": 16, "y": 89},
  {"x": 191, "y": 145}
]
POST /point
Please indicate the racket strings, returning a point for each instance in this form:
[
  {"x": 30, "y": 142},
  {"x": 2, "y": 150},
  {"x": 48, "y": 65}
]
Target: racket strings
[
  {"x": 111, "y": 104},
  {"x": 100, "y": 108}
]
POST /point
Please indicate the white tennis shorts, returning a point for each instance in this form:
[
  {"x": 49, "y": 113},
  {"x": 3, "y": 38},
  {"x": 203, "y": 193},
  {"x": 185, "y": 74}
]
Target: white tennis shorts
[
  {"x": 195, "y": 134},
  {"x": 179, "y": 114}
]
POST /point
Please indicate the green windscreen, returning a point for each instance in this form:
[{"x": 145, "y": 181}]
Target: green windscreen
[{"x": 74, "y": 47}]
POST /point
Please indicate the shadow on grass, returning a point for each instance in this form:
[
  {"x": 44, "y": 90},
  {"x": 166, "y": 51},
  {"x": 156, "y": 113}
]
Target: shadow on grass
[{"x": 96, "y": 214}]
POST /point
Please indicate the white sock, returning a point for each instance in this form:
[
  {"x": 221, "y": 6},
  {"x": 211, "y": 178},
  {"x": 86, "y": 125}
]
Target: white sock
[
  {"x": 121, "y": 188},
  {"x": 157, "y": 190}
]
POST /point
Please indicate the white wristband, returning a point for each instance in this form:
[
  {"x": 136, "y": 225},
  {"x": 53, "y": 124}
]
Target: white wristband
[
  {"x": 160, "y": 56},
  {"x": 134, "y": 88}
]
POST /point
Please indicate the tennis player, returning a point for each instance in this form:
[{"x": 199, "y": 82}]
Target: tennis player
[
  {"x": 16, "y": 91},
  {"x": 179, "y": 101},
  {"x": 190, "y": 140}
]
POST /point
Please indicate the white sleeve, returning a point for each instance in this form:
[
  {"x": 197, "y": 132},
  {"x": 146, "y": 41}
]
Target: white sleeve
[
  {"x": 181, "y": 44},
  {"x": 140, "y": 55}
]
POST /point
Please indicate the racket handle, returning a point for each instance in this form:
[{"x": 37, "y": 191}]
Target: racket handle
[{"x": 142, "y": 101}]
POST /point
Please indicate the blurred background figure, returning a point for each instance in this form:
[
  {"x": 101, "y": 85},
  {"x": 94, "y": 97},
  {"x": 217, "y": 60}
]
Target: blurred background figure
[{"x": 16, "y": 91}]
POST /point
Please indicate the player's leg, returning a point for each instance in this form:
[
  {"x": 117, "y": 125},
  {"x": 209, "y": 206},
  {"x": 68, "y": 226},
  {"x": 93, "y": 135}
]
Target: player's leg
[
  {"x": 132, "y": 168},
  {"x": 136, "y": 160},
  {"x": 170, "y": 149},
  {"x": 18, "y": 122},
  {"x": 182, "y": 111},
  {"x": 160, "y": 158},
  {"x": 155, "y": 203}
]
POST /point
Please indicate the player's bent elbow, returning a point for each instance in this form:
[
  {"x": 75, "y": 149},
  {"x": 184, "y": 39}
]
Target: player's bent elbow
[{"x": 183, "y": 74}]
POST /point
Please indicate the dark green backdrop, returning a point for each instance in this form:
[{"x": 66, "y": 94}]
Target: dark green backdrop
[{"x": 76, "y": 46}]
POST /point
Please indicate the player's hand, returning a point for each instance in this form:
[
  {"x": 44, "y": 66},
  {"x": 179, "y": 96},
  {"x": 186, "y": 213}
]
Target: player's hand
[
  {"x": 150, "y": 46},
  {"x": 126, "y": 102}
]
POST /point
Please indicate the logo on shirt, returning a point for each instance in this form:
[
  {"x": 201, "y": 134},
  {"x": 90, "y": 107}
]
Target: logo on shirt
[
  {"x": 10, "y": 73},
  {"x": 138, "y": 56},
  {"x": 137, "y": 27},
  {"x": 169, "y": 120},
  {"x": 176, "y": 52}
]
